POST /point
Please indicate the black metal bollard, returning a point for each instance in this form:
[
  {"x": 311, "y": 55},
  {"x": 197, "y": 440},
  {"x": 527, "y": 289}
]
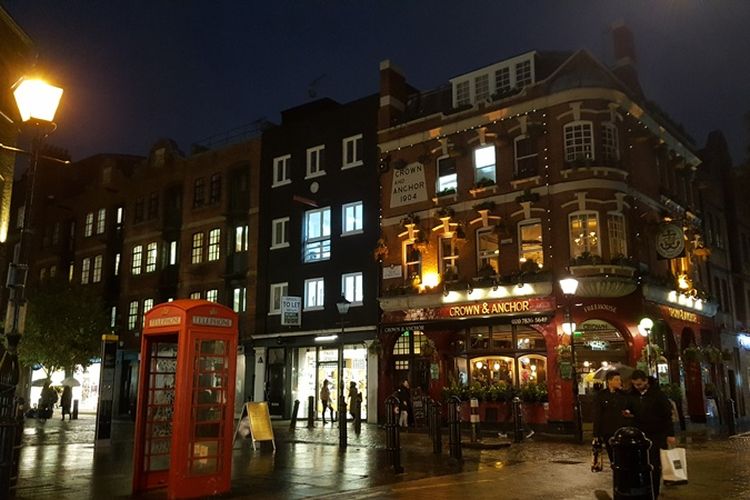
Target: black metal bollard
[
  {"x": 342, "y": 423},
  {"x": 631, "y": 478},
  {"x": 517, "y": 420},
  {"x": 293, "y": 423},
  {"x": 454, "y": 427},
  {"x": 731, "y": 422},
  {"x": 310, "y": 412},
  {"x": 357, "y": 416},
  {"x": 437, "y": 438},
  {"x": 474, "y": 419},
  {"x": 392, "y": 436},
  {"x": 74, "y": 414}
]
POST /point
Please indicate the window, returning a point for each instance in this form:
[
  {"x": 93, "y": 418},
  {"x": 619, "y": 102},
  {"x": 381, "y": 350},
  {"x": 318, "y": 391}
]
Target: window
[
  {"x": 71, "y": 272},
  {"x": 610, "y": 143},
  {"x": 214, "y": 191},
  {"x": 172, "y": 253},
  {"x": 20, "y": 215},
  {"x": 88, "y": 225},
  {"x": 212, "y": 295},
  {"x": 314, "y": 294},
  {"x": 352, "y": 151},
  {"x": 351, "y": 288},
  {"x": 448, "y": 258},
  {"x": 352, "y": 218},
  {"x": 488, "y": 250},
  {"x": 412, "y": 261},
  {"x": 132, "y": 315},
  {"x": 113, "y": 316},
  {"x": 151, "y": 254},
  {"x": 85, "y": 270},
  {"x": 481, "y": 88},
  {"x": 52, "y": 271},
  {"x": 117, "y": 264},
  {"x": 148, "y": 304},
  {"x": 196, "y": 254},
  {"x": 96, "y": 276},
  {"x": 138, "y": 211},
  {"x": 463, "y": 94},
  {"x": 315, "y": 161},
  {"x": 278, "y": 290},
  {"x": 152, "y": 209},
  {"x": 239, "y": 299},
  {"x": 101, "y": 221},
  {"x": 317, "y": 245},
  {"x": 447, "y": 179},
  {"x": 137, "y": 260},
  {"x": 579, "y": 141},
  {"x": 199, "y": 192},
  {"x": 530, "y": 247},
  {"x": 214, "y": 238},
  {"x": 584, "y": 234},
  {"x": 502, "y": 80},
  {"x": 280, "y": 233},
  {"x": 484, "y": 164},
  {"x": 119, "y": 216},
  {"x": 618, "y": 245},
  {"x": 523, "y": 73},
  {"x": 526, "y": 156},
  {"x": 240, "y": 239},
  {"x": 281, "y": 170},
  {"x": 43, "y": 274},
  {"x": 195, "y": 295}
]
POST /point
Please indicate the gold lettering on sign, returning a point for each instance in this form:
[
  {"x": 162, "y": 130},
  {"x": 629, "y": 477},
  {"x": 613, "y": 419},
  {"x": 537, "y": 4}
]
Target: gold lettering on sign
[
  {"x": 489, "y": 308},
  {"x": 168, "y": 321},
  {"x": 682, "y": 315}
]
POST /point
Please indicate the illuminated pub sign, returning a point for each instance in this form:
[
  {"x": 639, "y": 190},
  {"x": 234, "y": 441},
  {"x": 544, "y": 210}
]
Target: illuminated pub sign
[{"x": 528, "y": 307}]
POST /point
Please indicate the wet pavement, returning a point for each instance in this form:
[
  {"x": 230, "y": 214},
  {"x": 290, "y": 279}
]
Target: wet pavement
[{"x": 60, "y": 461}]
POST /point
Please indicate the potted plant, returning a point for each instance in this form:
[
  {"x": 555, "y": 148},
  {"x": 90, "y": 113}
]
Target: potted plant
[
  {"x": 484, "y": 182},
  {"x": 711, "y": 354},
  {"x": 428, "y": 348},
  {"x": 445, "y": 192},
  {"x": 691, "y": 354}
]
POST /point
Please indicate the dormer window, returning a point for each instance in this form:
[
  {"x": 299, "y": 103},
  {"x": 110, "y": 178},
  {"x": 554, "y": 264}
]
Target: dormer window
[
  {"x": 493, "y": 81},
  {"x": 523, "y": 73},
  {"x": 463, "y": 94},
  {"x": 482, "y": 88}
]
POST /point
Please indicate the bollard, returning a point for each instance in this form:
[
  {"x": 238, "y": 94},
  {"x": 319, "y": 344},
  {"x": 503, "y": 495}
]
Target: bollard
[
  {"x": 517, "y": 420},
  {"x": 430, "y": 430},
  {"x": 731, "y": 423},
  {"x": 74, "y": 413},
  {"x": 631, "y": 470},
  {"x": 342, "y": 423},
  {"x": 454, "y": 427},
  {"x": 310, "y": 412},
  {"x": 437, "y": 439},
  {"x": 357, "y": 416},
  {"x": 474, "y": 418},
  {"x": 293, "y": 423},
  {"x": 392, "y": 437}
]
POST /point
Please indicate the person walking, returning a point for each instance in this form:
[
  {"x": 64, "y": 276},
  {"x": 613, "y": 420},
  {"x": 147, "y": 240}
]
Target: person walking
[
  {"x": 404, "y": 398},
  {"x": 653, "y": 416},
  {"x": 325, "y": 400},
  {"x": 47, "y": 401},
  {"x": 65, "y": 401},
  {"x": 613, "y": 409},
  {"x": 354, "y": 399}
]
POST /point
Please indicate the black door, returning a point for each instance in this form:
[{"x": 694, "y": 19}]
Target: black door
[{"x": 276, "y": 389}]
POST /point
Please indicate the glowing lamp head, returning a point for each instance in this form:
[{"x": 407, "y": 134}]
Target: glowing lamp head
[
  {"x": 645, "y": 326},
  {"x": 568, "y": 286},
  {"x": 37, "y": 100},
  {"x": 479, "y": 365},
  {"x": 568, "y": 328}
]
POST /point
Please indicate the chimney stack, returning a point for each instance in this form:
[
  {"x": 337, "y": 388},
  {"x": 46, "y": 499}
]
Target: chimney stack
[
  {"x": 625, "y": 59},
  {"x": 392, "y": 95}
]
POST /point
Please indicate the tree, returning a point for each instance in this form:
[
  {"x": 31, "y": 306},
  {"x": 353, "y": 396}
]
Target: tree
[{"x": 64, "y": 325}]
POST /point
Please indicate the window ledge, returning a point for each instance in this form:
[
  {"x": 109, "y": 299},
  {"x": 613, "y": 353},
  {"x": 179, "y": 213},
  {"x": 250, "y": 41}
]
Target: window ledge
[
  {"x": 274, "y": 313},
  {"x": 475, "y": 191},
  {"x": 320, "y": 173},
  {"x": 352, "y": 165},
  {"x": 277, "y": 247},
  {"x": 596, "y": 170},
  {"x": 316, "y": 308},
  {"x": 535, "y": 179},
  {"x": 285, "y": 182},
  {"x": 453, "y": 197},
  {"x": 353, "y": 233}
]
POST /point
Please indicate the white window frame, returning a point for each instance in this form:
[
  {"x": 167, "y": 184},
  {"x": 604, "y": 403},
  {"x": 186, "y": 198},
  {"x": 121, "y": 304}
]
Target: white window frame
[
  {"x": 610, "y": 141},
  {"x": 196, "y": 248},
  {"x": 241, "y": 238},
  {"x": 517, "y": 158},
  {"x": 101, "y": 221},
  {"x": 479, "y": 171},
  {"x": 132, "y": 315},
  {"x": 352, "y": 288},
  {"x": 356, "y": 140},
  {"x": 212, "y": 295},
  {"x": 318, "y": 153},
  {"x": 317, "y": 248},
  {"x": 88, "y": 225},
  {"x": 499, "y": 75},
  {"x": 314, "y": 299},
  {"x": 359, "y": 222},
  {"x": 214, "y": 245},
  {"x": 136, "y": 261},
  {"x": 484, "y": 79},
  {"x": 279, "y": 233},
  {"x": 462, "y": 87},
  {"x": 85, "y": 270},
  {"x": 618, "y": 235},
  {"x": 577, "y": 250},
  {"x": 451, "y": 260},
  {"x": 96, "y": 272},
  {"x": 577, "y": 146},
  {"x": 484, "y": 256},
  {"x": 276, "y": 290},
  {"x": 516, "y": 70},
  {"x": 173, "y": 253},
  {"x": 406, "y": 262},
  {"x": 445, "y": 182},
  {"x": 152, "y": 253},
  {"x": 195, "y": 295},
  {"x": 281, "y": 171},
  {"x": 521, "y": 254},
  {"x": 239, "y": 299}
]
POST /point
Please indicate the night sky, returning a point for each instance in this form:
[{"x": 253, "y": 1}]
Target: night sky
[{"x": 136, "y": 71}]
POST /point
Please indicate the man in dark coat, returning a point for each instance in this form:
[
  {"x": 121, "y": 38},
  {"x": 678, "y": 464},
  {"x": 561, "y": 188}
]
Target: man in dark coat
[
  {"x": 404, "y": 397},
  {"x": 612, "y": 409},
  {"x": 653, "y": 416}
]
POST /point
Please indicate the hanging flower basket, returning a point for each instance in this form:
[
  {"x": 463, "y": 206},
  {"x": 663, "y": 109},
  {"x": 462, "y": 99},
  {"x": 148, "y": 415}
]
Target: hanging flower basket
[{"x": 691, "y": 354}]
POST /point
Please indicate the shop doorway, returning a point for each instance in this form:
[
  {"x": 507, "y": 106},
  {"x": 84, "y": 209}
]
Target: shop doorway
[
  {"x": 328, "y": 370},
  {"x": 275, "y": 387}
]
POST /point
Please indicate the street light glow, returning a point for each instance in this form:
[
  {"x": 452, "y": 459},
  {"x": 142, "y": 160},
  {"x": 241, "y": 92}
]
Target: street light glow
[
  {"x": 37, "y": 99},
  {"x": 645, "y": 326},
  {"x": 569, "y": 286}
]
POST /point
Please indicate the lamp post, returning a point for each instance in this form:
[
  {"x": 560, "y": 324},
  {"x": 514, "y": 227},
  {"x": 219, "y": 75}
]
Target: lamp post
[
  {"x": 569, "y": 286},
  {"x": 343, "y": 306},
  {"x": 37, "y": 104},
  {"x": 644, "y": 328}
]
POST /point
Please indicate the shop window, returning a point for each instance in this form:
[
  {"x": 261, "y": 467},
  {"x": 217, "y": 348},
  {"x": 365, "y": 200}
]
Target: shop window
[
  {"x": 412, "y": 261},
  {"x": 493, "y": 370},
  {"x": 401, "y": 347},
  {"x": 401, "y": 364},
  {"x": 484, "y": 165},
  {"x": 530, "y": 247},
  {"x": 532, "y": 369},
  {"x": 598, "y": 345},
  {"x": 488, "y": 250},
  {"x": 584, "y": 234}
]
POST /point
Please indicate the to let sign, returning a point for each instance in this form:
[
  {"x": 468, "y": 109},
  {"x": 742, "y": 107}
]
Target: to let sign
[
  {"x": 291, "y": 311},
  {"x": 408, "y": 185}
]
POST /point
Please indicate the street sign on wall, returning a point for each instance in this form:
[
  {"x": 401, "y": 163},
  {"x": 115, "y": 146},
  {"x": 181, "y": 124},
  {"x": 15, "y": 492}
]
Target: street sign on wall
[{"x": 291, "y": 310}]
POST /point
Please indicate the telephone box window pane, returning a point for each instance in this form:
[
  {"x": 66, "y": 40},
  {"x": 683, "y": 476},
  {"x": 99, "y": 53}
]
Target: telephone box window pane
[
  {"x": 213, "y": 346},
  {"x": 160, "y": 405}
]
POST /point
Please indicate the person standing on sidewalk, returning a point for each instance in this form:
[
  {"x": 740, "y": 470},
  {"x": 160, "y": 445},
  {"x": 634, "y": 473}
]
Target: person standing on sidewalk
[
  {"x": 404, "y": 398},
  {"x": 66, "y": 400},
  {"x": 354, "y": 399},
  {"x": 612, "y": 410},
  {"x": 653, "y": 416},
  {"x": 325, "y": 400}
]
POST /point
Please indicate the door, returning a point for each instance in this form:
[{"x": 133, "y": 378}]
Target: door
[{"x": 275, "y": 389}]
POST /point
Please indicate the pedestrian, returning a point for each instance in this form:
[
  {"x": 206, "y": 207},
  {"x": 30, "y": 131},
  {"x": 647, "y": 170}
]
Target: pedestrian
[
  {"x": 653, "y": 416},
  {"x": 613, "y": 409},
  {"x": 354, "y": 398},
  {"x": 404, "y": 398},
  {"x": 47, "y": 401},
  {"x": 325, "y": 400},
  {"x": 65, "y": 401}
]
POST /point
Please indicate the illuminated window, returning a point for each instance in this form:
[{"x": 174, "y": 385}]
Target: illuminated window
[
  {"x": 137, "y": 260},
  {"x": 412, "y": 261},
  {"x": 447, "y": 179},
  {"x": 113, "y": 316},
  {"x": 195, "y": 295},
  {"x": 212, "y": 295},
  {"x": 488, "y": 249},
  {"x": 148, "y": 304},
  {"x": 117, "y": 264},
  {"x": 239, "y": 299},
  {"x": 579, "y": 141},
  {"x": 132, "y": 315},
  {"x": 351, "y": 288},
  {"x": 214, "y": 239},
  {"x": 85, "y": 270},
  {"x": 584, "y": 234},
  {"x": 448, "y": 257},
  {"x": 96, "y": 276},
  {"x": 403, "y": 344},
  {"x": 317, "y": 241},
  {"x": 484, "y": 164},
  {"x": 172, "y": 253},
  {"x": 88, "y": 225},
  {"x": 151, "y": 255},
  {"x": 196, "y": 253},
  {"x": 314, "y": 294},
  {"x": 530, "y": 248},
  {"x": 352, "y": 218},
  {"x": 101, "y": 220},
  {"x": 278, "y": 290},
  {"x": 241, "y": 238}
]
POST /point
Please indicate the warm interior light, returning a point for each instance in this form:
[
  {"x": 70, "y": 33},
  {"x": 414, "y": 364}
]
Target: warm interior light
[
  {"x": 430, "y": 279},
  {"x": 568, "y": 328},
  {"x": 479, "y": 365},
  {"x": 37, "y": 99},
  {"x": 683, "y": 282},
  {"x": 496, "y": 366}
]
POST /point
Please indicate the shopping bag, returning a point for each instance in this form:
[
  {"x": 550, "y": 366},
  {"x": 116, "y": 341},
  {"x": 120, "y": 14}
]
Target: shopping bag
[{"x": 674, "y": 466}]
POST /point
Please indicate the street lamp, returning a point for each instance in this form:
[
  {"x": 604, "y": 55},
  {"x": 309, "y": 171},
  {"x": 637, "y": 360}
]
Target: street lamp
[
  {"x": 37, "y": 104},
  {"x": 569, "y": 286},
  {"x": 644, "y": 328},
  {"x": 343, "y": 306}
]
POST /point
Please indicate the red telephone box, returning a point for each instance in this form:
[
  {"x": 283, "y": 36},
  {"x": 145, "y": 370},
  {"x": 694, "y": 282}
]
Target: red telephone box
[{"x": 184, "y": 423}]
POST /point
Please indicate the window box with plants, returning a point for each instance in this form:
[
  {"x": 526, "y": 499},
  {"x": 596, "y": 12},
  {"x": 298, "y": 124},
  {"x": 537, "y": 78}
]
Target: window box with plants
[
  {"x": 534, "y": 397},
  {"x": 448, "y": 194},
  {"x": 482, "y": 185}
]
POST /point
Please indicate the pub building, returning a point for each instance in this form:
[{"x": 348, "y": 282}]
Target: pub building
[{"x": 510, "y": 178}]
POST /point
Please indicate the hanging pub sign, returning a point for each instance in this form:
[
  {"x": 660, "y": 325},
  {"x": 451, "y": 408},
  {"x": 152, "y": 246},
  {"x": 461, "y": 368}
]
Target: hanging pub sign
[
  {"x": 408, "y": 185},
  {"x": 670, "y": 241}
]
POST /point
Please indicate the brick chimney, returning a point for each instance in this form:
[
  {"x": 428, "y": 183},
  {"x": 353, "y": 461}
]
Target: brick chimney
[
  {"x": 392, "y": 95},
  {"x": 625, "y": 59}
]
